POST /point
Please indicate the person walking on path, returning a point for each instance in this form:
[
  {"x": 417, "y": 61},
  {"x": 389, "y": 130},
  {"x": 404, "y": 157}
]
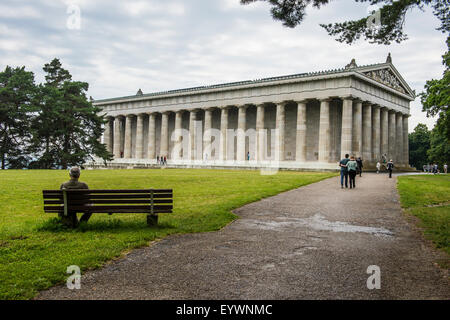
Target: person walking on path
[
  {"x": 352, "y": 166},
  {"x": 445, "y": 168},
  {"x": 389, "y": 167},
  {"x": 378, "y": 166},
  {"x": 71, "y": 218},
  {"x": 344, "y": 171},
  {"x": 360, "y": 165}
]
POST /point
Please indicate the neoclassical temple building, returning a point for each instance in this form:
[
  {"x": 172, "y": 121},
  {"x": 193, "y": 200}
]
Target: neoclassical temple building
[{"x": 307, "y": 120}]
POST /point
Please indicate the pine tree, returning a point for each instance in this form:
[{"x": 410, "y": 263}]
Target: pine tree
[
  {"x": 68, "y": 128},
  {"x": 17, "y": 94}
]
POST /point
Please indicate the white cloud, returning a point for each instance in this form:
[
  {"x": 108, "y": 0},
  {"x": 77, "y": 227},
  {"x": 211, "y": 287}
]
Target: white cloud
[
  {"x": 19, "y": 12},
  {"x": 143, "y": 8}
]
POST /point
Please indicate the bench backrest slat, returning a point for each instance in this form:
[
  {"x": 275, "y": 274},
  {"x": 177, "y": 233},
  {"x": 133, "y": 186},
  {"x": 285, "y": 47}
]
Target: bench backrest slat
[{"x": 109, "y": 201}]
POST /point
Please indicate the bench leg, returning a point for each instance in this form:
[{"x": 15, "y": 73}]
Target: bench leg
[
  {"x": 152, "y": 219},
  {"x": 70, "y": 220}
]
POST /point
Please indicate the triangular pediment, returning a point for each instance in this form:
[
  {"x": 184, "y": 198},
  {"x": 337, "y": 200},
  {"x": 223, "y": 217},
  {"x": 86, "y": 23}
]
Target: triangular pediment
[{"x": 389, "y": 76}]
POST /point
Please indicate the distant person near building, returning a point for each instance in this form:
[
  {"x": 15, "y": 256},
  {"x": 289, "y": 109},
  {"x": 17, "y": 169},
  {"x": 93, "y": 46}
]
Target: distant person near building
[
  {"x": 359, "y": 162},
  {"x": 390, "y": 167},
  {"x": 435, "y": 168},
  {"x": 378, "y": 166}
]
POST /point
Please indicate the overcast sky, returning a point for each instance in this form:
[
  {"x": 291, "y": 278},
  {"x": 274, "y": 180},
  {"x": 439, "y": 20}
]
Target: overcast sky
[{"x": 158, "y": 45}]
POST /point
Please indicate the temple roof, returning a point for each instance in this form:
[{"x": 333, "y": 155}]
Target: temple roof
[{"x": 384, "y": 73}]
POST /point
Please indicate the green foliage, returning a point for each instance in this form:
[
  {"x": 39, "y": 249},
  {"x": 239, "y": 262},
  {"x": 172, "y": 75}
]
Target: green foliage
[
  {"x": 419, "y": 143},
  {"x": 439, "y": 151},
  {"x": 17, "y": 94},
  {"x": 35, "y": 249},
  {"x": 292, "y": 13},
  {"x": 436, "y": 98}
]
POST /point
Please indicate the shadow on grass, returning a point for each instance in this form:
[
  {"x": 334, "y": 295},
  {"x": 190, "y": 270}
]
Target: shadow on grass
[{"x": 116, "y": 225}]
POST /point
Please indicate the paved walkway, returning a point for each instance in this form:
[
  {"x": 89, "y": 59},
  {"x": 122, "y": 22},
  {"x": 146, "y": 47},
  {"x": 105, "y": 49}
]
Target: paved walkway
[{"x": 315, "y": 242}]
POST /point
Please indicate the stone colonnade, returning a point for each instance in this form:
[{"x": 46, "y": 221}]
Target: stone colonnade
[{"x": 306, "y": 130}]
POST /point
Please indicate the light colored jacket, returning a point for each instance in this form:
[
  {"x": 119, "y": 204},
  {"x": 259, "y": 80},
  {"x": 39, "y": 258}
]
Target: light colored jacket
[{"x": 351, "y": 165}]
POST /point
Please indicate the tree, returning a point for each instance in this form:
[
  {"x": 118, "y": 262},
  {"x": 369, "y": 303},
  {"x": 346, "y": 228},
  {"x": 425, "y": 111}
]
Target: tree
[
  {"x": 392, "y": 18},
  {"x": 419, "y": 143},
  {"x": 17, "y": 94},
  {"x": 68, "y": 127},
  {"x": 439, "y": 151},
  {"x": 436, "y": 98}
]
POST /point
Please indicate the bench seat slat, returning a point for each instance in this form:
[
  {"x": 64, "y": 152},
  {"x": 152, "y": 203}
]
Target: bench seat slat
[
  {"x": 108, "y": 191},
  {"x": 111, "y": 201},
  {"x": 109, "y": 196},
  {"x": 117, "y": 211}
]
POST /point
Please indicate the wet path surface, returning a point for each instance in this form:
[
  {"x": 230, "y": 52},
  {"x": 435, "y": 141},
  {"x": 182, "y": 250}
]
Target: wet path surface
[{"x": 315, "y": 242}]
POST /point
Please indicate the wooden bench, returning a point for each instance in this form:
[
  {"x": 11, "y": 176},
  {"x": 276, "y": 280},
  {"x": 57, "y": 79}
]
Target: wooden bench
[{"x": 149, "y": 201}]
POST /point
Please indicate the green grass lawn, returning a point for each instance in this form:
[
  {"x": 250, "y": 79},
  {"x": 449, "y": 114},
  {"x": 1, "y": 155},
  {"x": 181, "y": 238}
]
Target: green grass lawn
[
  {"x": 428, "y": 198},
  {"x": 35, "y": 250}
]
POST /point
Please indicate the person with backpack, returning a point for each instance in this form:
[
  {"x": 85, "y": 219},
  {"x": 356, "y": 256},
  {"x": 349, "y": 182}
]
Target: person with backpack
[
  {"x": 352, "y": 167},
  {"x": 389, "y": 167}
]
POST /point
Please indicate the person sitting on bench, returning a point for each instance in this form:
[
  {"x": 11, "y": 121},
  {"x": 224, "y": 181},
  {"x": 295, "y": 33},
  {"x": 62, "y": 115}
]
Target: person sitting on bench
[{"x": 73, "y": 183}]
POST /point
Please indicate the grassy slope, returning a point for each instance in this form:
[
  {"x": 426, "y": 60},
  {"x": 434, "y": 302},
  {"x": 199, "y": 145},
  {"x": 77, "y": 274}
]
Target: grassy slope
[
  {"x": 428, "y": 198},
  {"x": 35, "y": 252}
]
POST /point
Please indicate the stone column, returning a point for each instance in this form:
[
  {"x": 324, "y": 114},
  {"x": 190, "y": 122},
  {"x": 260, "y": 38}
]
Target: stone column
[
  {"x": 405, "y": 140},
  {"x": 177, "y": 147},
  {"x": 367, "y": 132},
  {"x": 207, "y": 135},
  {"x": 107, "y": 135},
  {"x": 384, "y": 127},
  {"x": 392, "y": 135},
  {"x": 127, "y": 146},
  {"x": 260, "y": 147},
  {"x": 223, "y": 133},
  {"x": 300, "y": 148},
  {"x": 164, "y": 145},
  {"x": 192, "y": 135},
  {"x": 240, "y": 148},
  {"x": 117, "y": 135},
  {"x": 280, "y": 126},
  {"x": 376, "y": 133},
  {"x": 324, "y": 131},
  {"x": 357, "y": 129},
  {"x": 151, "y": 152},
  {"x": 347, "y": 126},
  {"x": 399, "y": 138},
  {"x": 140, "y": 137}
]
